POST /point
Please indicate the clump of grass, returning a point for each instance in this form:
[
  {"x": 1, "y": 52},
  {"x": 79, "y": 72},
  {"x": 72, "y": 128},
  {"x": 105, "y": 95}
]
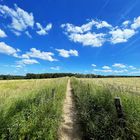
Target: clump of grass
[
  {"x": 97, "y": 113},
  {"x": 31, "y": 112}
]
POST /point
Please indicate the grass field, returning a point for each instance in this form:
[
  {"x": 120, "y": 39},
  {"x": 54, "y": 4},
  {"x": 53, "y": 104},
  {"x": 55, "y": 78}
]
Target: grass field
[
  {"x": 125, "y": 84},
  {"x": 28, "y": 109},
  {"x": 32, "y": 109},
  {"x": 97, "y": 114}
]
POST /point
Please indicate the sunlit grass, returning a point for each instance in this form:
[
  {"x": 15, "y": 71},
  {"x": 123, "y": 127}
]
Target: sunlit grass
[
  {"x": 28, "y": 110},
  {"x": 97, "y": 113}
]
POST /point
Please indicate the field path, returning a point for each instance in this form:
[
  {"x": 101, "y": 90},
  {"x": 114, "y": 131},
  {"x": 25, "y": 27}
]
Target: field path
[{"x": 69, "y": 129}]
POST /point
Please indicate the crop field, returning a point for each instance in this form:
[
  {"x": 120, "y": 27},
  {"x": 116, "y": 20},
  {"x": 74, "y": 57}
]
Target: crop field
[
  {"x": 125, "y": 84},
  {"x": 31, "y": 109},
  {"x": 97, "y": 113}
]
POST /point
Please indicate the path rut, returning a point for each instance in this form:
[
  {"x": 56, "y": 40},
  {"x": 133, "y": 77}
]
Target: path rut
[{"x": 69, "y": 129}]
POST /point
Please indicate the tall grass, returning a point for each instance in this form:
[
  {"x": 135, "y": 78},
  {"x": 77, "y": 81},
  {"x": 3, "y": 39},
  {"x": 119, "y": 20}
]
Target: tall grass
[
  {"x": 97, "y": 113},
  {"x": 29, "y": 111}
]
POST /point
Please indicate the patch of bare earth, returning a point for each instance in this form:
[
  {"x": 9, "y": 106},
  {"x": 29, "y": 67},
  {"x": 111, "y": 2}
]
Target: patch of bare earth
[{"x": 69, "y": 129}]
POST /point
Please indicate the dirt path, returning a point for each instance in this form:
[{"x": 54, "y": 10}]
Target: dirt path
[{"x": 69, "y": 129}]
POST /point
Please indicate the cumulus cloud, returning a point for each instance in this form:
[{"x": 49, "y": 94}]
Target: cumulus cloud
[
  {"x": 34, "y": 53},
  {"x": 16, "y": 32},
  {"x": 18, "y": 66},
  {"x": 90, "y": 34},
  {"x": 111, "y": 71},
  {"x": 27, "y": 62},
  {"x": 102, "y": 24},
  {"x": 101, "y": 70},
  {"x": 78, "y": 29},
  {"x": 88, "y": 39},
  {"x": 132, "y": 67},
  {"x": 26, "y": 58},
  {"x": 43, "y": 31},
  {"x": 83, "y": 34},
  {"x": 126, "y": 23},
  {"x": 20, "y": 19},
  {"x": 2, "y": 34},
  {"x": 106, "y": 67},
  {"x": 136, "y": 23},
  {"x": 119, "y": 65},
  {"x": 120, "y": 71},
  {"x": 135, "y": 72},
  {"x": 28, "y": 34},
  {"x": 121, "y": 35},
  {"x": 93, "y": 65},
  {"x": 118, "y": 68},
  {"x": 66, "y": 53},
  {"x": 57, "y": 68},
  {"x": 6, "y": 49},
  {"x": 85, "y": 27}
]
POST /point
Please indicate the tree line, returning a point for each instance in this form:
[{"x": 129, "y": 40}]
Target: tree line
[{"x": 56, "y": 75}]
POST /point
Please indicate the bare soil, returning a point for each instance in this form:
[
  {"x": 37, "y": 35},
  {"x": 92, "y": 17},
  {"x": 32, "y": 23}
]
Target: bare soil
[{"x": 69, "y": 129}]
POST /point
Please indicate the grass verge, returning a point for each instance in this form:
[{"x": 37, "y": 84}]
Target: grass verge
[
  {"x": 97, "y": 113},
  {"x": 28, "y": 110}
]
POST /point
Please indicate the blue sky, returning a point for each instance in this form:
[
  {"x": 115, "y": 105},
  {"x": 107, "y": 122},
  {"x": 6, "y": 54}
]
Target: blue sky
[{"x": 84, "y": 36}]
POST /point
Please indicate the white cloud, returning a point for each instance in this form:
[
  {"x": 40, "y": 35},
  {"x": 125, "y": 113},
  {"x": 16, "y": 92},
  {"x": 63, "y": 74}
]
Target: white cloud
[
  {"x": 93, "y": 65},
  {"x": 57, "y": 68},
  {"x": 106, "y": 67},
  {"x": 66, "y": 53},
  {"x": 70, "y": 28},
  {"x": 110, "y": 71},
  {"x": 24, "y": 62},
  {"x": 90, "y": 34},
  {"x": 104, "y": 71},
  {"x": 136, "y": 23},
  {"x": 120, "y": 71},
  {"x": 43, "y": 31},
  {"x": 19, "y": 66},
  {"x": 118, "y": 65},
  {"x": 118, "y": 68},
  {"x": 28, "y": 34},
  {"x": 2, "y": 34},
  {"x": 132, "y": 67},
  {"x": 102, "y": 24},
  {"x": 119, "y": 35},
  {"x": 26, "y": 58},
  {"x": 88, "y": 39},
  {"x": 126, "y": 23},
  {"x": 16, "y": 32},
  {"x": 34, "y": 53},
  {"x": 6, "y": 49},
  {"x": 135, "y": 72},
  {"x": 82, "y": 34},
  {"x": 20, "y": 19}
]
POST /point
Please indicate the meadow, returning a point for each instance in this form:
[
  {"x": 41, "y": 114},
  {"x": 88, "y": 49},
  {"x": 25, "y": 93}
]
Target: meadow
[
  {"x": 31, "y": 109},
  {"x": 97, "y": 113}
]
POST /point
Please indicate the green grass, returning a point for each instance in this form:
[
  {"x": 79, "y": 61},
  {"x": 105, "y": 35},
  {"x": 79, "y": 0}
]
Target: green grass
[
  {"x": 28, "y": 110},
  {"x": 97, "y": 113}
]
